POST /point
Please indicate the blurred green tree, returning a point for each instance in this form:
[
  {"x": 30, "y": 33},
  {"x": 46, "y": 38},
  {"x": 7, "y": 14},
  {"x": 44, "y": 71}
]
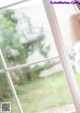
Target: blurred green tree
[{"x": 18, "y": 46}]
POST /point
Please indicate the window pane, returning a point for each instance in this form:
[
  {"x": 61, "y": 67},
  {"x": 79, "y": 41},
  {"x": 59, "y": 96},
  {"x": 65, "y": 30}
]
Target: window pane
[
  {"x": 43, "y": 88},
  {"x": 26, "y": 36}
]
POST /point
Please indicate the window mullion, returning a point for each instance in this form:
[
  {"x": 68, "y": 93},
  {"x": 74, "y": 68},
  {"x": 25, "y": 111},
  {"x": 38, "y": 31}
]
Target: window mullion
[{"x": 10, "y": 82}]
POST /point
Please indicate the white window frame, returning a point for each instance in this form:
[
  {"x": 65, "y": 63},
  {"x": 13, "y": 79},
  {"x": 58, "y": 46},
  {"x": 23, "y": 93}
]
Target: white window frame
[
  {"x": 13, "y": 4},
  {"x": 65, "y": 60},
  {"x": 69, "y": 74}
]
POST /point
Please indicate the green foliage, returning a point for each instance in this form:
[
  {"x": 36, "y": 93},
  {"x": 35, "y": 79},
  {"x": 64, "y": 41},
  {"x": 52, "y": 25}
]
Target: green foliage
[
  {"x": 4, "y": 88},
  {"x": 10, "y": 38},
  {"x": 9, "y": 14},
  {"x": 14, "y": 51},
  {"x": 44, "y": 94}
]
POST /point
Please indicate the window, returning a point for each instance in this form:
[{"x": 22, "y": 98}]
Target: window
[{"x": 32, "y": 59}]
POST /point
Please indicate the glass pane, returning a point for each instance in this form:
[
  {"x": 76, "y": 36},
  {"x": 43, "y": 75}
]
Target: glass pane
[
  {"x": 42, "y": 88},
  {"x": 26, "y": 36}
]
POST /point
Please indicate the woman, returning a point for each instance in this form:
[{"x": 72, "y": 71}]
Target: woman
[{"x": 75, "y": 35}]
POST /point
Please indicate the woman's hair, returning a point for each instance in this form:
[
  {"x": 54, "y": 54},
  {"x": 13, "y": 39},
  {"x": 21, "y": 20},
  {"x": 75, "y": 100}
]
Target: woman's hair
[{"x": 78, "y": 5}]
